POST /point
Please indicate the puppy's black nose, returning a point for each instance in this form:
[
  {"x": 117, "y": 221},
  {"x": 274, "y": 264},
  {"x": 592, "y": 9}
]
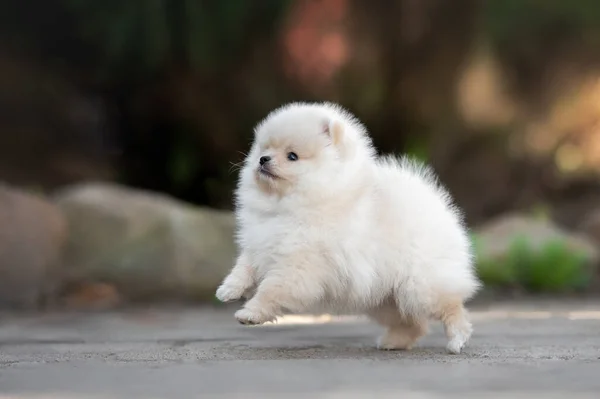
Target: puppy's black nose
[{"x": 263, "y": 160}]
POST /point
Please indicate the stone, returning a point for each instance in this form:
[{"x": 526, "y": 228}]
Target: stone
[
  {"x": 91, "y": 296},
  {"x": 147, "y": 245},
  {"x": 590, "y": 227},
  {"x": 33, "y": 233}
]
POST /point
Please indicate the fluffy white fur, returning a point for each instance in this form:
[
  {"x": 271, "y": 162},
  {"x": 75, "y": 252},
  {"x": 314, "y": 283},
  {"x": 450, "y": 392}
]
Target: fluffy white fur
[{"x": 342, "y": 231}]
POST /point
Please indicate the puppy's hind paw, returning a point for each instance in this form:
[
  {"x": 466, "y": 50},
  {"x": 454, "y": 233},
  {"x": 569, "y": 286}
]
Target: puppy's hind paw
[
  {"x": 227, "y": 293},
  {"x": 394, "y": 342},
  {"x": 248, "y": 317}
]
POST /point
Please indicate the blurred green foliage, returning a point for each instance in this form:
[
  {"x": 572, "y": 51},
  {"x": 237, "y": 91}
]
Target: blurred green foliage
[
  {"x": 553, "y": 268},
  {"x": 143, "y": 36},
  {"x": 184, "y": 81}
]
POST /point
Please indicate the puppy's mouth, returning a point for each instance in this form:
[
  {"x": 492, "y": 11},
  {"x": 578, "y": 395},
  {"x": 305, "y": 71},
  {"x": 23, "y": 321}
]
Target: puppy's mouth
[{"x": 266, "y": 172}]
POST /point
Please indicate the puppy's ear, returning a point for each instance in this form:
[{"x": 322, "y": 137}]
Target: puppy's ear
[{"x": 335, "y": 130}]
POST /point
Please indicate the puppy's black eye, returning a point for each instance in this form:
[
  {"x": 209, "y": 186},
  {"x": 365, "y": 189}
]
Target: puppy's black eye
[{"x": 292, "y": 156}]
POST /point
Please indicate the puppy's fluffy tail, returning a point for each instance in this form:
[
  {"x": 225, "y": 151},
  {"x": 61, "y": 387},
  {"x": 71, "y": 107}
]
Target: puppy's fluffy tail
[{"x": 437, "y": 223}]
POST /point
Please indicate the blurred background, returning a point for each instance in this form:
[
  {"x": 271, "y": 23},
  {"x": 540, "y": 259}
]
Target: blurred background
[{"x": 121, "y": 123}]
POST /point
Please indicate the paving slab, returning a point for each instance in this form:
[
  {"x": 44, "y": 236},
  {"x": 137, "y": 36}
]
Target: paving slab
[{"x": 531, "y": 349}]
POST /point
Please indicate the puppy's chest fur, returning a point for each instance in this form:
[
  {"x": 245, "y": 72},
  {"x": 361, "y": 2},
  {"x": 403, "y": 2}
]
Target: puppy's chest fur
[
  {"x": 333, "y": 254},
  {"x": 272, "y": 241}
]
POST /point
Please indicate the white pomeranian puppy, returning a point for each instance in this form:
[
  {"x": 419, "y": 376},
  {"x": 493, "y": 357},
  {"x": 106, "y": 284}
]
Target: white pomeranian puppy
[{"x": 327, "y": 226}]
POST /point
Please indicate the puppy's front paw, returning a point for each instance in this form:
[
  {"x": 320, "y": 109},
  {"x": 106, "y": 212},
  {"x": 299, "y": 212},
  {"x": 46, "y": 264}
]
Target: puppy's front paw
[
  {"x": 228, "y": 293},
  {"x": 459, "y": 336},
  {"x": 458, "y": 342},
  {"x": 248, "y": 317}
]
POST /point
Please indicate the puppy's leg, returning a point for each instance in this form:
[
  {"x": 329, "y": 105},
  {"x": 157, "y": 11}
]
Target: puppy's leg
[
  {"x": 402, "y": 336},
  {"x": 238, "y": 282},
  {"x": 293, "y": 291},
  {"x": 401, "y": 333},
  {"x": 456, "y": 322}
]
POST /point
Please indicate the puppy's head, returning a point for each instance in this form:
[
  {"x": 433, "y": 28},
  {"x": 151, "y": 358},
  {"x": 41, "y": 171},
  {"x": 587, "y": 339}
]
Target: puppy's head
[{"x": 303, "y": 147}]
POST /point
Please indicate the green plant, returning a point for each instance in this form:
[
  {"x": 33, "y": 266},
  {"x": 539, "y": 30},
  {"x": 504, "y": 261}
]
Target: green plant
[
  {"x": 491, "y": 271},
  {"x": 553, "y": 267}
]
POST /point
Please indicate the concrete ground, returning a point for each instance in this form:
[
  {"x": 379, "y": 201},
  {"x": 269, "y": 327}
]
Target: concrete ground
[{"x": 519, "y": 350}]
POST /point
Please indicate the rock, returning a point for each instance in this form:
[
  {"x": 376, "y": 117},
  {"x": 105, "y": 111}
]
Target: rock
[
  {"x": 148, "y": 245},
  {"x": 590, "y": 227},
  {"x": 91, "y": 296},
  {"x": 496, "y": 236},
  {"x": 33, "y": 233}
]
